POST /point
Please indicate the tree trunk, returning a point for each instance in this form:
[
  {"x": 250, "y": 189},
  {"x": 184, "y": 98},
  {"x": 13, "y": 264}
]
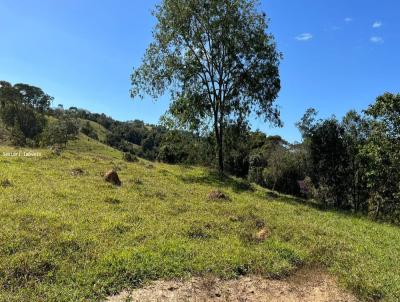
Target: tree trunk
[
  {"x": 218, "y": 130},
  {"x": 220, "y": 151}
]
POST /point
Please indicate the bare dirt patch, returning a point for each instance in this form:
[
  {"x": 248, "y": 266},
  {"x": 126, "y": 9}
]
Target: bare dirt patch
[{"x": 307, "y": 285}]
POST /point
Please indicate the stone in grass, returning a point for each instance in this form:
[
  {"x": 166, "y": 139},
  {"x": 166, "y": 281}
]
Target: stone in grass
[
  {"x": 113, "y": 178},
  {"x": 217, "y": 195},
  {"x": 262, "y": 234},
  {"x": 5, "y": 183}
]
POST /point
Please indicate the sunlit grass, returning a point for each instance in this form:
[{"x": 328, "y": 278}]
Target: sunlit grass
[{"x": 76, "y": 238}]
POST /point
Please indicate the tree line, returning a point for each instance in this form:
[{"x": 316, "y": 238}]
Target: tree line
[
  {"x": 351, "y": 164},
  {"x": 354, "y": 163},
  {"x": 24, "y": 111}
]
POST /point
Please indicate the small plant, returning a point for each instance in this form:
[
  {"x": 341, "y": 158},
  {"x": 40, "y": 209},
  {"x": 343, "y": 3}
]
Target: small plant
[
  {"x": 19, "y": 198},
  {"x": 77, "y": 172},
  {"x": 56, "y": 149},
  {"x": 120, "y": 228},
  {"x": 137, "y": 181},
  {"x": 198, "y": 232},
  {"x": 112, "y": 200},
  {"x": 5, "y": 183},
  {"x": 130, "y": 158},
  {"x": 160, "y": 195}
]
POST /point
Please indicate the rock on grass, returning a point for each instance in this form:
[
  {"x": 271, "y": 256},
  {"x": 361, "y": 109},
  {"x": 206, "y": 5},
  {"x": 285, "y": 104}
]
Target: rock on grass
[
  {"x": 113, "y": 178},
  {"x": 217, "y": 195}
]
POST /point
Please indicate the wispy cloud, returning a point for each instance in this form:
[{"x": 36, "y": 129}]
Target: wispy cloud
[
  {"x": 304, "y": 37},
  {"x": 377, "y": 24},
  {"x": 348, "y": 19},
  {"x": 377, "y": 40}
]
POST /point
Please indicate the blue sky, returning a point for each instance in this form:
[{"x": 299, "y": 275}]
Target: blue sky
[{"x": 338, "y": 54}]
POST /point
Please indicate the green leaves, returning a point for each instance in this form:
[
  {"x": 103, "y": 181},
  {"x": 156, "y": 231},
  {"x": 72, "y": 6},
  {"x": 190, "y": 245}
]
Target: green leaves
[
  {"x": 216, "y": 60},
  {"x": 382, "y": 150}
]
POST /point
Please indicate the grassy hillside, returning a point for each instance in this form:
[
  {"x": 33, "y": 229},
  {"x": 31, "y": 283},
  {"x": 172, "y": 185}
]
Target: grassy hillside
[
  {"x": 72, "y": 237},
  {"x": 98, "y": 129}
]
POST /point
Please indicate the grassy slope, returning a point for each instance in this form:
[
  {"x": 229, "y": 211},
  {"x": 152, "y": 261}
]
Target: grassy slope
[
  {"x": 99, "y": 129},
  {"x": 102, "y": 132},
  {"x": 76, "y": 238}
]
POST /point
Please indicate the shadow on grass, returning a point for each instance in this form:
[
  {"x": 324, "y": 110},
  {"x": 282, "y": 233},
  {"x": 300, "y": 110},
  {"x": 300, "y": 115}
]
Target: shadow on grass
[
  {"x": 312, "y": 204},
  {"x": 213, "y": 178}
]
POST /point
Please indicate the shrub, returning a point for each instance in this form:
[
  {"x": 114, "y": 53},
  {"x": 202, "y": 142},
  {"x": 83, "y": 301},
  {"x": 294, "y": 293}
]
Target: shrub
[
  {"x": 17, "y": 136},
  {"x": 129, "y": 157},
  {"x": 59, "y": 132},
  {"x": 5, "y": 183}
]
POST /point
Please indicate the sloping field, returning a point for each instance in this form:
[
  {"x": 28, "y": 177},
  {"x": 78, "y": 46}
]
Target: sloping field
[{"x": 67, "y": 235}]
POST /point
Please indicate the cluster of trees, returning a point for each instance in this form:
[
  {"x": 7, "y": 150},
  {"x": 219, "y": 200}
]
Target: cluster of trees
[
  {"x": 220, "y": 64},
  {"x": 354, "y": 163},
  {"x": 23, "y": 111},
  {"x": 351, "y": 164}
]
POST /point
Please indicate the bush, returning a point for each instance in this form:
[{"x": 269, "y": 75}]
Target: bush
[
  {"x": 257, "y": 165},
  {"x": 169, "y": 154},
  {"x": 59, "y": 133},
  {"x": 129, "y": 157},
  {"x": 17, "y": 136}
]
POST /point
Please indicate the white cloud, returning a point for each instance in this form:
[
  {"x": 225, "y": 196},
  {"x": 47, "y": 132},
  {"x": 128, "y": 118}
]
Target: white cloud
[
  {"x": 304, "y": 37},
  {"x": 377, "y": 24},
  {"x": 348, "y": 19},
  {"x": 376, "y": 40}
]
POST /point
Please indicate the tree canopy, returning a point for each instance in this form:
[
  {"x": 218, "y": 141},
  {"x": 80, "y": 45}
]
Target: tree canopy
[{"x": 217, "y": 61}]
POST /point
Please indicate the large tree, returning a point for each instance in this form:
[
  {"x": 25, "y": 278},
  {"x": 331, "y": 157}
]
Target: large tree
[
  {"x": 216, "y": 59},
  {"x": 382, "y": 150}
]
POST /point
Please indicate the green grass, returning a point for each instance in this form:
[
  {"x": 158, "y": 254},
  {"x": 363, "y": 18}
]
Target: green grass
[
  {"x": 98, "y": 129},
  {"x": 77, "y": 238}
]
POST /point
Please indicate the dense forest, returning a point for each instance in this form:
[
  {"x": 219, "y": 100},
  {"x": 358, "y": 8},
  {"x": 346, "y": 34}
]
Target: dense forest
[{"x": 349, "y": 164}]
